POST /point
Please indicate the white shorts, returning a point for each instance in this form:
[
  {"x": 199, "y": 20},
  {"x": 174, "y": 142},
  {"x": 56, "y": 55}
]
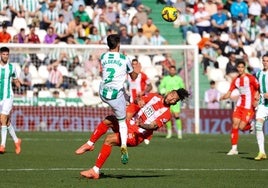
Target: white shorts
[
  {"x": 6, "y": 106},
  {"x": 262, "y": 112},
  {"x": 118, "y": 105}
]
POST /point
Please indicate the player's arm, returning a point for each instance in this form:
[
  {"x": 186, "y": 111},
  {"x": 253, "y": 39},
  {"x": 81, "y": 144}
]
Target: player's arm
[
  {"x": 226, "y": 96},
  {"x": 17, "y": 83},
  {"x": 151, "y": 126},
  {"x": 133, "y": 75}
]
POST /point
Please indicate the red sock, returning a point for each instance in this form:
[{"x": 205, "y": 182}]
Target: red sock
[
  {"x": 100, "y": 130},
  {"x": 247, "y": 127},
  {"x": 234, "y": 136},
  {"x": 103, "y": 155}
]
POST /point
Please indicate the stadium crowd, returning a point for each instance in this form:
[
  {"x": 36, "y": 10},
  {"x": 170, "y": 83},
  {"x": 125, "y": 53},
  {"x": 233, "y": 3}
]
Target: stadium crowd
[{"x": 224, "y": 30}]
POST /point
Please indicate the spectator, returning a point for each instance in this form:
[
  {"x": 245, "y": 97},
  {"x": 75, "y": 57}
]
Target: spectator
[
  {"x": 5, "y": 37},
  {"x": 51, "y": 36},
  {"x": 111, "y": 13},
  {"x": 5, "y": 14},
  {"x": 116, "y": 25},
  {"x": 126, "y": 4},
  {"x": 211, "y": 7},
  {"x": 231, "y": 71},
  {"x": 261, "y": 45},
  {"x": 132, "y": 28},
  {"x": 15, "y": 9},
  {"x": 55, "y": 79},
  {"x": 209, "y": 53},
  {"x": 76, "y": 5},
  {"x": 263, "y": 23},
  {"x": 84, "y": 17},
  {"x": 76, "y": 29},
  {"x": 61, "y": 28},
  {"x": 219, "y": 22},
  {"x": 124, "y": 17},
  {"x": 254, "y": 8},
  {"x": 140, "y": 39},
  {"x": 103, "y": 24},
  {"x": 167, "y": 63},
  {"x": 202, "y": 19},
  {"x": 181, "y": 6},
  {"x": 239, "y": 10},
  {"x": 32, "y": 37},
  {"x": 94, "y": 36},
  {"x": 149, "y": 28},
  {"x": 25, "y": 79},
  {"x": 187, "y": 22},
  {"x": 212, "y": 96},
  {"x": 21, "y": 36},
  {"x": 32, "y": 11},
  {"x": 157, "y": 39},
  {"x": 92, "y": 67},
  {"x": 141, "y": 15},
  {"x": 50, "y": 16},
  {"x": 67, "y": 14},
  {"x": 124, "y": 37},
  {"x": 77, "y": 69},
  {"x": 252, "y": 33}
]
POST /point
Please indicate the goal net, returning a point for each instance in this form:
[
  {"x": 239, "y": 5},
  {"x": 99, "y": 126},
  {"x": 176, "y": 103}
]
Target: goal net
[{"x": 77, "y": 106}]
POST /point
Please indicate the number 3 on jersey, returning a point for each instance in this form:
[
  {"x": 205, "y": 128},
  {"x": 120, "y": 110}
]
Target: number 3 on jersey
[{"x": 110, "y": 76}]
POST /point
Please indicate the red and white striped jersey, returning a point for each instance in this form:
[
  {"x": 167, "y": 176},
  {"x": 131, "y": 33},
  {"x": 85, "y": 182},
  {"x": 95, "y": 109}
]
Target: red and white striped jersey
[{"x": 247, "y": 86}]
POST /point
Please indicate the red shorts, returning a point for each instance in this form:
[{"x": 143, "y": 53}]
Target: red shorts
[
  {"x": 243, "y": 114},
  {"x": 134, "y": 136}
]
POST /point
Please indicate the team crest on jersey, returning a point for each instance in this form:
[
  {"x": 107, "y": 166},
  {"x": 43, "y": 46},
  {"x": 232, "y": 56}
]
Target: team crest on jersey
[{"x": 149, "y": 111}]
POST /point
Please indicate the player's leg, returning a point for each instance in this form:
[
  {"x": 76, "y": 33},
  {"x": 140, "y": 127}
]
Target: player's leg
[
  {"x": 176, "y": 111},
  {"x": 169, "y": 129},
  {"x": 3, "y": 133},
  {"x": 119, "y": 108},
  {"x": 260, "y": 117},
  {"x": 110, "y": 141},
  {"x": 234, "y": 137},
  {"x": 7, "y": 107},
  {"x": 101, "y": 129}
]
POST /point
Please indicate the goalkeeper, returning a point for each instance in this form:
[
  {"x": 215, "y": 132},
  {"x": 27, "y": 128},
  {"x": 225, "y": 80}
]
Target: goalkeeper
[
  {"x": 168, "y": 83},
  {"x": 145, "y": 115}
]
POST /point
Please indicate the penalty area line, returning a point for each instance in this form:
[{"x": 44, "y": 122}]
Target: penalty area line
[{"x": 133, "y": 169}]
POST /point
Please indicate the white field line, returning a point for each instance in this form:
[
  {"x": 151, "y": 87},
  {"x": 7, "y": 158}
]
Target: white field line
[{"x": 135, "y": 169}]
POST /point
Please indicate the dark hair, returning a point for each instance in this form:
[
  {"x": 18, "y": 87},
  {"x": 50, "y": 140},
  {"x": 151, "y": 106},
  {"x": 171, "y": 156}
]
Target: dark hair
[
  {"x": 113, "y": 40},
  {"x": 183, "y": 93},
  {"x": 265, "y": 55},
  {"x": 4, "y": 49},
  {"x": 240, "y": 61},
  {"x": 212, "y": 82}
]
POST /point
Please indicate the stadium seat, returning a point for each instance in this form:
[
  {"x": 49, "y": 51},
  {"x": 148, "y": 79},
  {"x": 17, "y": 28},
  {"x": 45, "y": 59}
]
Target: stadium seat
[
  {"x": 44, "y": 94},
  {"x": 193, "y": 38},
  {"x": 17, "y": 67},
  {"x": 249, "y": 50},
  {"x": 215, "y": 74},
  {"x": 145, "y": 60},
  {"x": 151, "y": 72},
  {"x": 43, "y": 72},
  {"x": 95, "y": 85},
  {"x": 72, "y": 93},
  {"x": 222, "y": 60},
  {"x": 158, "y": 58},
  {"x": 12, "y": 31},
  {"x": 222, "y": 86},
  {"x": 19, "y": 23},
  {"x": 33, "y": 71},
  {"x": 41, "y": 34}
]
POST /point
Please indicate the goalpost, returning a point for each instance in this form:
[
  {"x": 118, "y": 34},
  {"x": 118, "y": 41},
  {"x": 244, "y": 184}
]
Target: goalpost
[{"x": 186, "y": 57}]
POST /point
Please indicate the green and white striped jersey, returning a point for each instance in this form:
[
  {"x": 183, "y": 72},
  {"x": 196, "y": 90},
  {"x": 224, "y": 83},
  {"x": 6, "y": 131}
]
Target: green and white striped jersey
[
  {"x": 263, "y": 81},
  {"x": 115, "y": 67},
  {"x": 7, "y": 73}
]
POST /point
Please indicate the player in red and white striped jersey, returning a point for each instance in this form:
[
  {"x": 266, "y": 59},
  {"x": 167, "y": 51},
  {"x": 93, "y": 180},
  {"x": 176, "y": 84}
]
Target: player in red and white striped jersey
[
  {"x": 145, "y": 115},
  {"x": 244, "y": 111},
  {"x": 141, "y": 85}
]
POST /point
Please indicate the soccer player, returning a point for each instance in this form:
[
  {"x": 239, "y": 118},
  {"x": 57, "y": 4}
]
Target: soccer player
[
  {"x": 168, "y": 83},
  {"x": 248, "y": 86},
  {"x": 115, "y": 68},
  {"x": 141, "y": 85},
  {"x": 7, "y": 74},
  {"x": 149, "y": 113},
  {"x": 262, "y": 110}
]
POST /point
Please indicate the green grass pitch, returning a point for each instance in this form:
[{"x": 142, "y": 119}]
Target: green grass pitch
[{"x": 48, "y": 160}]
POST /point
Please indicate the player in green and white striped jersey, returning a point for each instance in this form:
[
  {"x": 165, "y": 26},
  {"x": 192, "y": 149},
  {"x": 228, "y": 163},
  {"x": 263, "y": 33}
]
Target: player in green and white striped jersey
[
  {"x": 7, "y": 76},
  {"x": 115, "y": 67},
  {"x": 262, "y": 110}
]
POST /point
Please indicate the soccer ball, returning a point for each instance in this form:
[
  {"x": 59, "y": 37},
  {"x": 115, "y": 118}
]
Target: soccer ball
[{"x": 169, "y": 13}]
